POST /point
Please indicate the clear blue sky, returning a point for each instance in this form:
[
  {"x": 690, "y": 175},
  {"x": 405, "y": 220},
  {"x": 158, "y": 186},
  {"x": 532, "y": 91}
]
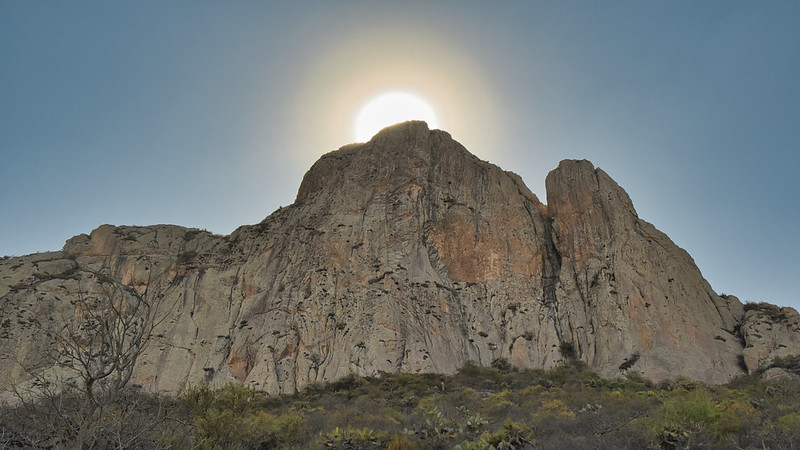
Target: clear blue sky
[{"x": 206, "y": 114}]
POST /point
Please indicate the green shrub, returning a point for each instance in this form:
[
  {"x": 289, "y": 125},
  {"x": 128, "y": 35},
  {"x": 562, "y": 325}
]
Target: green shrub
[
  {"x": 511, "y": 435},
  {"x": 401, "y": 442},
  {"x": 501, "y": 364},
  {"x": 556, "y": 376},
  {"x": 789, "y": 363},
  {"x": 735, "y": 416},
  {"x": 186, "y": 258},
  {"x": 351, "y": 438},
  {"x": 775, "y": 313},
  {"x": 789, "y": 422},
  {"x": 693, "y": 409},
  {"x": 233, "y": 417}
]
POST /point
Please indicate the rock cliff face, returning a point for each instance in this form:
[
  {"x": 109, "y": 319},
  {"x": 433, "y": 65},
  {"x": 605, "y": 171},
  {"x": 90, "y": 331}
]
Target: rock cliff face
[
  {"x": 770, "y": 332},
  {"x": 404, "y": 254}
]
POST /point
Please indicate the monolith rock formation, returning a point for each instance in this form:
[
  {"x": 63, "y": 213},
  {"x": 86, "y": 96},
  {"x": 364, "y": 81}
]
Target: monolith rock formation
[{"x": 403, "y": 254}]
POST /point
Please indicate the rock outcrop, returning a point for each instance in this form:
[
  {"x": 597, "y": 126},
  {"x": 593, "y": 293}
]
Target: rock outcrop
[
  {"x": 769, "y": 332},
  {"x": 403, "y": 254}
]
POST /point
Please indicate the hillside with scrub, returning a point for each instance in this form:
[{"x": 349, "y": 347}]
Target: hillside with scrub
[{"x": 476, "y": 408}]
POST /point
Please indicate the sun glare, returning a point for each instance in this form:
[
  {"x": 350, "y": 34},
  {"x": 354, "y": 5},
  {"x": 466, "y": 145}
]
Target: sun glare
[{"x": 389, "y": 109}]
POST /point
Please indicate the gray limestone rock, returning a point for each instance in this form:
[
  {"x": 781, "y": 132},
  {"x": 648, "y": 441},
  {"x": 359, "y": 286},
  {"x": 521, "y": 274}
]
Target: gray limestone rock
[
  {"x": 769, "y": 332},
  {"x": 776, "y": 375}
]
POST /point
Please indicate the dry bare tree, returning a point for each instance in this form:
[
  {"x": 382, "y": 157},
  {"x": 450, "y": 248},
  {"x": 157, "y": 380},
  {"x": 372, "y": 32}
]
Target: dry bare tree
[
  {"x": 110, "y": 330},
  {"x": 94, "y": 352}
]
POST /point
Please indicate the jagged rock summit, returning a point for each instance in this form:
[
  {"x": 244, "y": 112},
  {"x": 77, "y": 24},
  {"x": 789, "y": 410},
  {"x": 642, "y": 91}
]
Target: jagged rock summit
[{"x": 405, "y": 254}]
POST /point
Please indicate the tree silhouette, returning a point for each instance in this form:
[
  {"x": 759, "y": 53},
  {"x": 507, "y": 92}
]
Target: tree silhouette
[{"x": 94, "y": 351}]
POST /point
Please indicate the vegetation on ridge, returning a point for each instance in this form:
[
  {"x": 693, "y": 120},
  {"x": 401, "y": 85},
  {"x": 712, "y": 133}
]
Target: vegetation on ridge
[{"x": 476, "y": 408}]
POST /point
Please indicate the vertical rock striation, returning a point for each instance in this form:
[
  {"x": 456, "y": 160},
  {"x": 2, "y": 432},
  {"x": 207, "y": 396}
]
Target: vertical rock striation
[{"x": 626, "y": 289}]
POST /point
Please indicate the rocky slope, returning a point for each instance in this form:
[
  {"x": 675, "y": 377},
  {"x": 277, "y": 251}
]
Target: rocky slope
[{"x": 404, "y": 254}]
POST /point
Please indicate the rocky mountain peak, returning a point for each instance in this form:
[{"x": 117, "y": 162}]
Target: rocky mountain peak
[
  {"x": 397, "y": 155},
  {"x": 405, "y": 254},
  {"x": 574, "y": 184}
]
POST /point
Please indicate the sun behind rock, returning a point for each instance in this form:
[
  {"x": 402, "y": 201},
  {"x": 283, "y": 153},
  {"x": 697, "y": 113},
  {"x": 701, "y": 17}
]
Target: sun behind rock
[{"x": 389, "y": 109}]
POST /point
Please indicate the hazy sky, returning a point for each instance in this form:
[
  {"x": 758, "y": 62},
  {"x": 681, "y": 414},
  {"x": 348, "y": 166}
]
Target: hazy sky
[{"x": 207, "y": 114}]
